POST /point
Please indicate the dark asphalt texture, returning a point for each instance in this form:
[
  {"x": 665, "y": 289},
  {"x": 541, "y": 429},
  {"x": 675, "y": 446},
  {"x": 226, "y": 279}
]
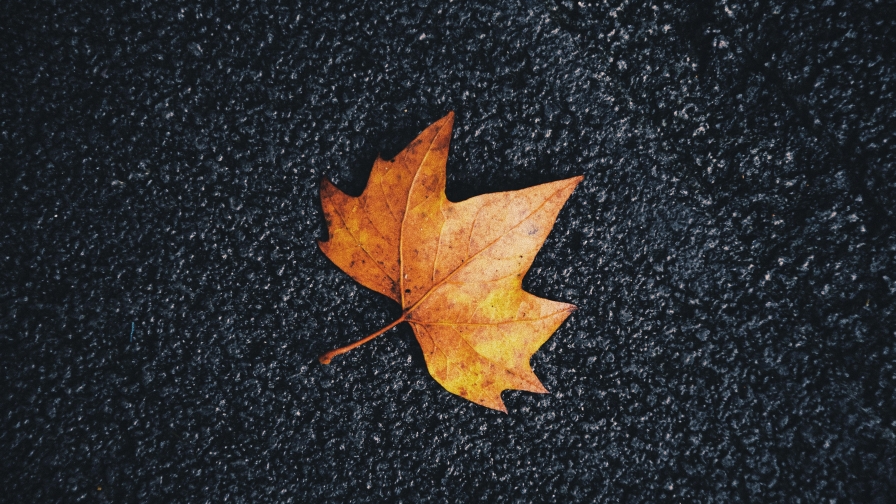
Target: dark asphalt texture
[{"x": 732, "y": 250}]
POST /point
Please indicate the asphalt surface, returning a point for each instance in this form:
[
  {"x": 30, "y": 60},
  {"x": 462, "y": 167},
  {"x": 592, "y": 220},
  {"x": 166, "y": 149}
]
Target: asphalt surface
[{"x": 731, "y": 250}]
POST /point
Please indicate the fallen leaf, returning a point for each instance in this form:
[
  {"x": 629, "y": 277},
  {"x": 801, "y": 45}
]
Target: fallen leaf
[{"x": 455, "y": 268}]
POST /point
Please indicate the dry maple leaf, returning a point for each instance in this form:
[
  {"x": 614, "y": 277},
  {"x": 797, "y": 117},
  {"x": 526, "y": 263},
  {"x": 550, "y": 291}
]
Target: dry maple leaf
[{"x": 455, "y": 268}]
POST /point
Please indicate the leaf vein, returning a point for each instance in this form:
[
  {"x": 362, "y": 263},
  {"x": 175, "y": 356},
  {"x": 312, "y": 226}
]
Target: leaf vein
[{"x": 360, "y": 245}]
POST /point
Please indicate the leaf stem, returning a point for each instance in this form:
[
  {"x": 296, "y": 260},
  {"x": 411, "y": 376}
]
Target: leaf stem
[{"x": 327, "y": 357}]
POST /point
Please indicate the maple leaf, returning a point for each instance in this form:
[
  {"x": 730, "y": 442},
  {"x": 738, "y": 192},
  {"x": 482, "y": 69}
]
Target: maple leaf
[{"x": 455, "y": 268}]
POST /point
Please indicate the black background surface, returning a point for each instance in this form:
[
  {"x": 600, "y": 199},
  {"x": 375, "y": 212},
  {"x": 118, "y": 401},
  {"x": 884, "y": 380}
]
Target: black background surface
[{"x": 731, "y": 250}]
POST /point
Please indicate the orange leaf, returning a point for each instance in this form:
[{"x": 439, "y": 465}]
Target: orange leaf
[{"x": 455, "y": 268}]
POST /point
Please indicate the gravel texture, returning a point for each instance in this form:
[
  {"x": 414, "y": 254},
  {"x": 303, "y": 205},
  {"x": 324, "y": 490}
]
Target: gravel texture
[{"x": 731, "y": 250}]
